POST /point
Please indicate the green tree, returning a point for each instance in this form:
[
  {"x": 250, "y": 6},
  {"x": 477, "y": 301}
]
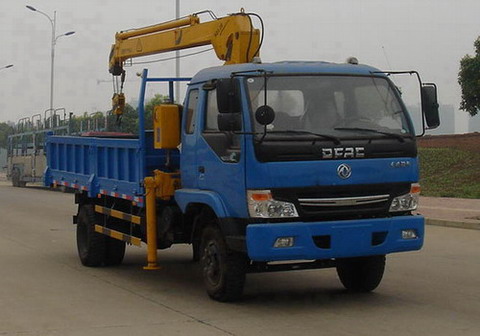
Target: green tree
[
  {"x": 130, "y": 115},
  {"x": 129, "y": 120},
  {"x": 149, "y": 107},
  {"x": 5, "y": 131},
  {"x": 469, "y": 80}
]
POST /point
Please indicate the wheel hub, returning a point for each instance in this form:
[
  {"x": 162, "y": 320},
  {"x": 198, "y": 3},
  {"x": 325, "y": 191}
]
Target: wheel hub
[{"x": 212, "y": 263}]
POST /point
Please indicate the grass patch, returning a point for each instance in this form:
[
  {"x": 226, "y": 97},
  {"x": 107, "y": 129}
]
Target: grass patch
[{"x": 448, "y": 172}]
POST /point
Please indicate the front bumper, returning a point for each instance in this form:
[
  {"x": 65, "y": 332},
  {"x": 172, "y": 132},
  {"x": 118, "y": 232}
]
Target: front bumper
[{"x": 338, "y": 239}]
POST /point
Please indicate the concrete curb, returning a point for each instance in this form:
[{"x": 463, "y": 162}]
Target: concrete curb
[{"x": 453, "y": 224}]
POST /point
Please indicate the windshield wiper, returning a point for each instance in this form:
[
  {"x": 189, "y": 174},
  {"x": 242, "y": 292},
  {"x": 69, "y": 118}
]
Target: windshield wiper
[
  {"x": 393, "y": 135},
  {"x": 325, "y": 136}
]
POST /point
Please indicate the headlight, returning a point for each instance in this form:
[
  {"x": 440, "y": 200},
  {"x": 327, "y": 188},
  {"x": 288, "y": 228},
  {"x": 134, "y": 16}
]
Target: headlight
[
  {"x": 262, "y": 205},
  {"x": 407, "y": 202}
]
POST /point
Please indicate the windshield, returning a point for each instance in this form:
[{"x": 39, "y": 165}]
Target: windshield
[{"x": 334, "y": 105}]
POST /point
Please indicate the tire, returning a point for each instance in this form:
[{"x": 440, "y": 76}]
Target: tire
[
  {"x": 362, "y": 274},
  {"x": 15, "y": 178},
  {"x": 195, "y": 251},
  {"x": 223, "y": 270},
  {"x": 115, "y": 251},
  {"x": 91, "y": 245}
]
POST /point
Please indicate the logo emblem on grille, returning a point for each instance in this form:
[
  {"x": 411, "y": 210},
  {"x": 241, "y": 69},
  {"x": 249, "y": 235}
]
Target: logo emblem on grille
[{"x": 344, "y": 171}]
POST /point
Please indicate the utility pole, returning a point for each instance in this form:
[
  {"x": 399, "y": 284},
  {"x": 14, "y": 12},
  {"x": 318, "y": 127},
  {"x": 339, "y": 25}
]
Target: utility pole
[{"x": 53, "y": 23}]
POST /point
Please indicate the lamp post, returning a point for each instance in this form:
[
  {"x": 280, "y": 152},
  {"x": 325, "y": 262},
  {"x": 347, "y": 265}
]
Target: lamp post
[{"x": 55, "y": 37}]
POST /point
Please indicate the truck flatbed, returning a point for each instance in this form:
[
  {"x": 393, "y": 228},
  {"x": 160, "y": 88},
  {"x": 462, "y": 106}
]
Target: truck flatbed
[{"x": 113, "y": 166}]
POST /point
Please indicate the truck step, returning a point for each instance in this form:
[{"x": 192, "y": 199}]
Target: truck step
[
  {"x": 119, "y": 214},
  {"x": 118, "y": 235}
]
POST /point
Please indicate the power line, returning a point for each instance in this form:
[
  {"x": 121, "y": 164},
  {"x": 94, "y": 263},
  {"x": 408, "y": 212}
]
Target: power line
[
  {"x": 386, "y": 58},
  {"x": 172, "y": 58}
]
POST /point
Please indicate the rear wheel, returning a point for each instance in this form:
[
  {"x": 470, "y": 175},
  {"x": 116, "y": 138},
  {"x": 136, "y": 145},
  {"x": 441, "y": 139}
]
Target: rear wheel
[
  {"x": 15, "y": 178},
  {"x": 362, "y": 274},
  {"x": 96, "y": 249},
  {"x": 91, "y": 245},
  {"x": 115, "y": 251},
  {"x": 223, "y": 270}
]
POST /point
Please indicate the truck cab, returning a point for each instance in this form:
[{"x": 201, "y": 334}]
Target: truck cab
[
  {"x": 340, "y": 148},
  {"x": 301, "y": 161}
]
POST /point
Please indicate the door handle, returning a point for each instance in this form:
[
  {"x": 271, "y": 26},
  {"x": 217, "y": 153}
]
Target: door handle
[{"x": 201, "y": 169}]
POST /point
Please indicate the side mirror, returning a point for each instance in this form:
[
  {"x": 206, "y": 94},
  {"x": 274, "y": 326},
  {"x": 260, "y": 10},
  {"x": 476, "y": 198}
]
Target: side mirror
[
  {"x": 228, "y": 96},
  {"x": 264, "y": 115},
  {"x": 229, "y": 122},
  {"x": 430, "y": 105}
]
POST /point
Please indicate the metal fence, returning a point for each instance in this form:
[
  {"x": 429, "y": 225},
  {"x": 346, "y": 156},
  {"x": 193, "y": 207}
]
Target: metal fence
[{"x": 3, "y": 159}]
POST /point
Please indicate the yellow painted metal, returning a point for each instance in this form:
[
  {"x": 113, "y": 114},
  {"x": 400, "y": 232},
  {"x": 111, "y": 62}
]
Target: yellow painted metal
[
  {"x": 151, "y": 224},
  {"x": 118, "y": 214},
  {"x": 118, "y": 103},
  {"x": 166, "y": 126},
  {"x": 166, "y": 184},
  {"x": 233, "y": 38},
  {"x": 187, "y": 21},
  {"x": 118, "y": 235},
  {"x": 162, "y": 185}
]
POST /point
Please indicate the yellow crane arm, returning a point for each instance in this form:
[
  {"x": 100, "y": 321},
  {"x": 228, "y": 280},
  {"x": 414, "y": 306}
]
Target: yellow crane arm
[{"x": 233, "y": 38}]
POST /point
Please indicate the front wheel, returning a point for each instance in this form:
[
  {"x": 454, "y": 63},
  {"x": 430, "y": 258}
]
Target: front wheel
[
  {"x": 223, "y": 270},
  {"x": 361, "y": 274}
]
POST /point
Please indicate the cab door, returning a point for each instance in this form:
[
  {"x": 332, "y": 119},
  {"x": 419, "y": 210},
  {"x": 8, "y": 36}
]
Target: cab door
[
  {"x": 220, "y": 158},
  {"x": 190, "y": 132}
]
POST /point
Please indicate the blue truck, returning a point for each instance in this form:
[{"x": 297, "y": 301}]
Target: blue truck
[{"x": 266, "y": 167}]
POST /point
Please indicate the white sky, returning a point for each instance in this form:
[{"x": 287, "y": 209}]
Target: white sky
[{"x": 429, "y": 36}]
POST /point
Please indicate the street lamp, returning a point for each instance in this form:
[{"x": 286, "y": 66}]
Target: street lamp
[
  {"x": 6, "y": 66},
  {"x": 53, "y": 22}
]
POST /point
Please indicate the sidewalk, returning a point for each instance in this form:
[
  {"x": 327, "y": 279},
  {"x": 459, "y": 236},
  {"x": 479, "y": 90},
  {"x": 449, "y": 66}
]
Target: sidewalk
[{"x": 453, "y": 212}]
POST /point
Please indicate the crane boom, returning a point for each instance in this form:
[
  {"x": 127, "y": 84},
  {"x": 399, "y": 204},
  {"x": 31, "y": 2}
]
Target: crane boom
[{"x": 233, "y": 38}]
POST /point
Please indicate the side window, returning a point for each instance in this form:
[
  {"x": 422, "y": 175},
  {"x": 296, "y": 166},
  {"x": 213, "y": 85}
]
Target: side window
[
  {"x": 191, "y": 111},
  {"x": 225, "y": 144},
  {"x": 211, "y": 120}
]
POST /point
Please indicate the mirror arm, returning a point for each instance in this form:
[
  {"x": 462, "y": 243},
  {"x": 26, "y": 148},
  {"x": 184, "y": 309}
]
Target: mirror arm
[{"x": 411, "y": 72}]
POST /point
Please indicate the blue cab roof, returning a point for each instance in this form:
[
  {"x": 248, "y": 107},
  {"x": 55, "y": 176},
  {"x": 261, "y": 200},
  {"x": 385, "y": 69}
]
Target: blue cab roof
[{"x": 225, "y": 71}]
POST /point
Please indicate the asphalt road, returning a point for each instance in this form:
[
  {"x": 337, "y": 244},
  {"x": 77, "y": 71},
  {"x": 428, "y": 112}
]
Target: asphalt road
[{"x": 44, "y": 290}]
